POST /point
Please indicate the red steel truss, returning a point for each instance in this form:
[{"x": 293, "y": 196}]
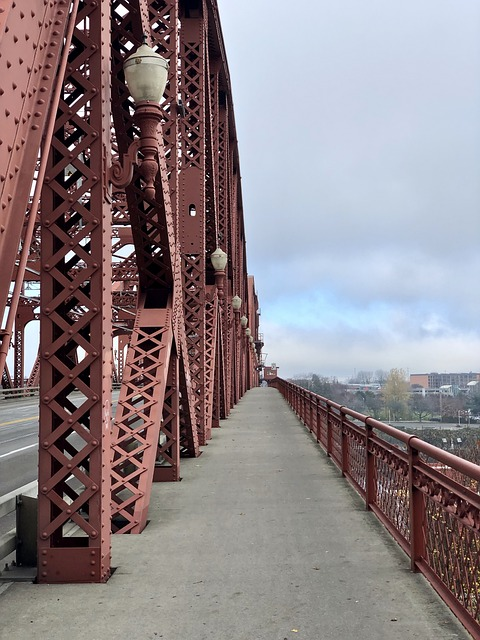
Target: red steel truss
[{"x": 118, "y": 272}]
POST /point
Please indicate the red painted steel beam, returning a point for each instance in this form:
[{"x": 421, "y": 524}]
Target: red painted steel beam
[{"x": 75, "y": 324}]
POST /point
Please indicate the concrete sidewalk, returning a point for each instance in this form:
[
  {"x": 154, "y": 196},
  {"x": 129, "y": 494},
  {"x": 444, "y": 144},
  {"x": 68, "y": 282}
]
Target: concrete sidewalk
[{"x": 262, "y": 540}]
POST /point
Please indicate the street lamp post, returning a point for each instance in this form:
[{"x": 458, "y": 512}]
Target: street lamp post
[
  {"x": 219, "y": 262},
  {"x": 236, "y": 306},
  {"x": 146, "y": 77}
]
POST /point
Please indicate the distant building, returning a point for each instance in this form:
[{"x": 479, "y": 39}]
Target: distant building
[
  {"x": 438, "y": 380},
  {"x": 271, "y": 372}
]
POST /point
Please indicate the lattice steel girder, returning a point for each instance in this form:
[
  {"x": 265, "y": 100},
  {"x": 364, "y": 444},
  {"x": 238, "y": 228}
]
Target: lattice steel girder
[
  {"x": 167, "y": 461},
  {"x": 192, "y": 201},
  {"x": 30, "y": 47},
  {"x": 138, "y": 421},
  {"x": 75, "y": 324},
  {"x": 211, "y": 324}
]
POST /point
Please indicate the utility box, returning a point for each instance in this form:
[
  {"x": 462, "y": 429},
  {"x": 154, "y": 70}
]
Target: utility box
[{"x": 26, "y": 543}]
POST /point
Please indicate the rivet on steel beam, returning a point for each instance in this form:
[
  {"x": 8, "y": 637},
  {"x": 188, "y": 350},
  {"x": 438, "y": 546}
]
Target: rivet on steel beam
[
  {"x": 41, "y": 101},
  {"x": 93, "y": 552},
  {"x": 94, "y": 444},
  {"x": 70, "y": 375},
  {"x": 45, "y": 444},
  {"x": 69, "y": 511},
  {"x": 95, "y": 398},
  {"x": 94, "y": 487},
  {"x": 37, "y": 114},
  {"x": 44, "y": 552},
  {"x": 44, "y": 535},
  {"x": 46, "y": 398},
  {"x": 69, "y": 466},
  {"x": 92, "y": 573},
  {"x": 44, "y": 489},
  {"x": 94, "y": 534},
  {"x": 44, "y": 574},
  {"x": 93, "y": 562},
  {"x": 34, "y": 127},
  {"x": 44, "y": 563},
  {"x": 46, "y": 354},
  {"x": 70, "y": 421},
  {"x": 47, "y": 267}
]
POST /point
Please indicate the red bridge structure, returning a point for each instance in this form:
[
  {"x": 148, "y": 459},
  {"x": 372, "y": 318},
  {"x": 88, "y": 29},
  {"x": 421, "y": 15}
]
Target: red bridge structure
[
  {"x": 122, "y": 233},
  {"x": 119, "y": 219}
]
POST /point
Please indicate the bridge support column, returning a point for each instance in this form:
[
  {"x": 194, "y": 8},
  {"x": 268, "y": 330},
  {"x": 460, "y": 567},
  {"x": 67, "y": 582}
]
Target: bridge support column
[{"x": 75, "y": 322}]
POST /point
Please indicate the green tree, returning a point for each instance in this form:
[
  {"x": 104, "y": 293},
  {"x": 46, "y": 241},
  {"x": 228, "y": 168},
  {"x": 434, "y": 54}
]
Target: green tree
[
  {"x": 474, "y": 404},
  {"x": 396, "y": 392},
  {"x": 420, "y": 406}
]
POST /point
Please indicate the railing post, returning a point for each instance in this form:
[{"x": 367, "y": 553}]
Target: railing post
[
  {"x": 317, "y": 419},
  {"x": 370, "y": 489},
  {"x": 329, "y": 431},
  {"x": 344, "y": 440},
  {"x": 417, "y": 511},
  {"x": 310, "y": 412}
]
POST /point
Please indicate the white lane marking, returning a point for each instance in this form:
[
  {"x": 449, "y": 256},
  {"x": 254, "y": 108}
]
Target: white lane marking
[
  {"x": 5, "y": 455},
  {"x": 29, "y": 435}
]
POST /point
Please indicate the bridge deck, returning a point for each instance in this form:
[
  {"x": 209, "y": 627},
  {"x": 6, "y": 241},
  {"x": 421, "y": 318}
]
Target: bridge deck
[{"x": 262, "y": 540}]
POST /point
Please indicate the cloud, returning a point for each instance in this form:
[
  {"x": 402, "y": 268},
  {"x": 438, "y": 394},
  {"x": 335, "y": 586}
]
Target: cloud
[{"x": 359, "y": 136}]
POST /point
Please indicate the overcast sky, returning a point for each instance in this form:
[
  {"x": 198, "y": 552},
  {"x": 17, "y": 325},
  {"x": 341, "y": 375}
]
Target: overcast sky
[{"x": 359, "y": 134}]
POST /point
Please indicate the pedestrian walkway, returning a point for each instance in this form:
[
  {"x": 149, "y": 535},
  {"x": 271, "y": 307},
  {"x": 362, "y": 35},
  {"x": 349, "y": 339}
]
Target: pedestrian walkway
[{"x": 262, "y": 540}]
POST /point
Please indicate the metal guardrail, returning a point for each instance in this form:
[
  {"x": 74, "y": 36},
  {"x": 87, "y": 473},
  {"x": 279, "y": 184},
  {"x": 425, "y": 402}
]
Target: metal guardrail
[
  {"x": 427, "y": 498},
  {"x": 8, "y": 504},
  {"x": 25, "y": 392},
  {"x": 20, "y": 392}
]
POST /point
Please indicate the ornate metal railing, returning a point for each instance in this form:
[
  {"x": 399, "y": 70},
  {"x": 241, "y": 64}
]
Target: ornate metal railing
[{"x": 427, "y": 498}]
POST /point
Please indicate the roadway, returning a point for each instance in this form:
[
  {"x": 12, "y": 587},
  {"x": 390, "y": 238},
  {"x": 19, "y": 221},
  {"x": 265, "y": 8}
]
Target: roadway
[{"x": 18, "y": 443}]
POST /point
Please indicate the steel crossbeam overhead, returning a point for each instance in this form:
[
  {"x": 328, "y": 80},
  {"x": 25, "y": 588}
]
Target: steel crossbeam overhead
[{"x": 110, "y": 211}]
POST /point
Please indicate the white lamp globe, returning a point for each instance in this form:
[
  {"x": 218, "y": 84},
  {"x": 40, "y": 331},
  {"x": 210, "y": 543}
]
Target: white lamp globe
[
  {"x": 146, "y": 74},
  {"x": 219, "y": 259},
  {"x": 236, "y": 303}
]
